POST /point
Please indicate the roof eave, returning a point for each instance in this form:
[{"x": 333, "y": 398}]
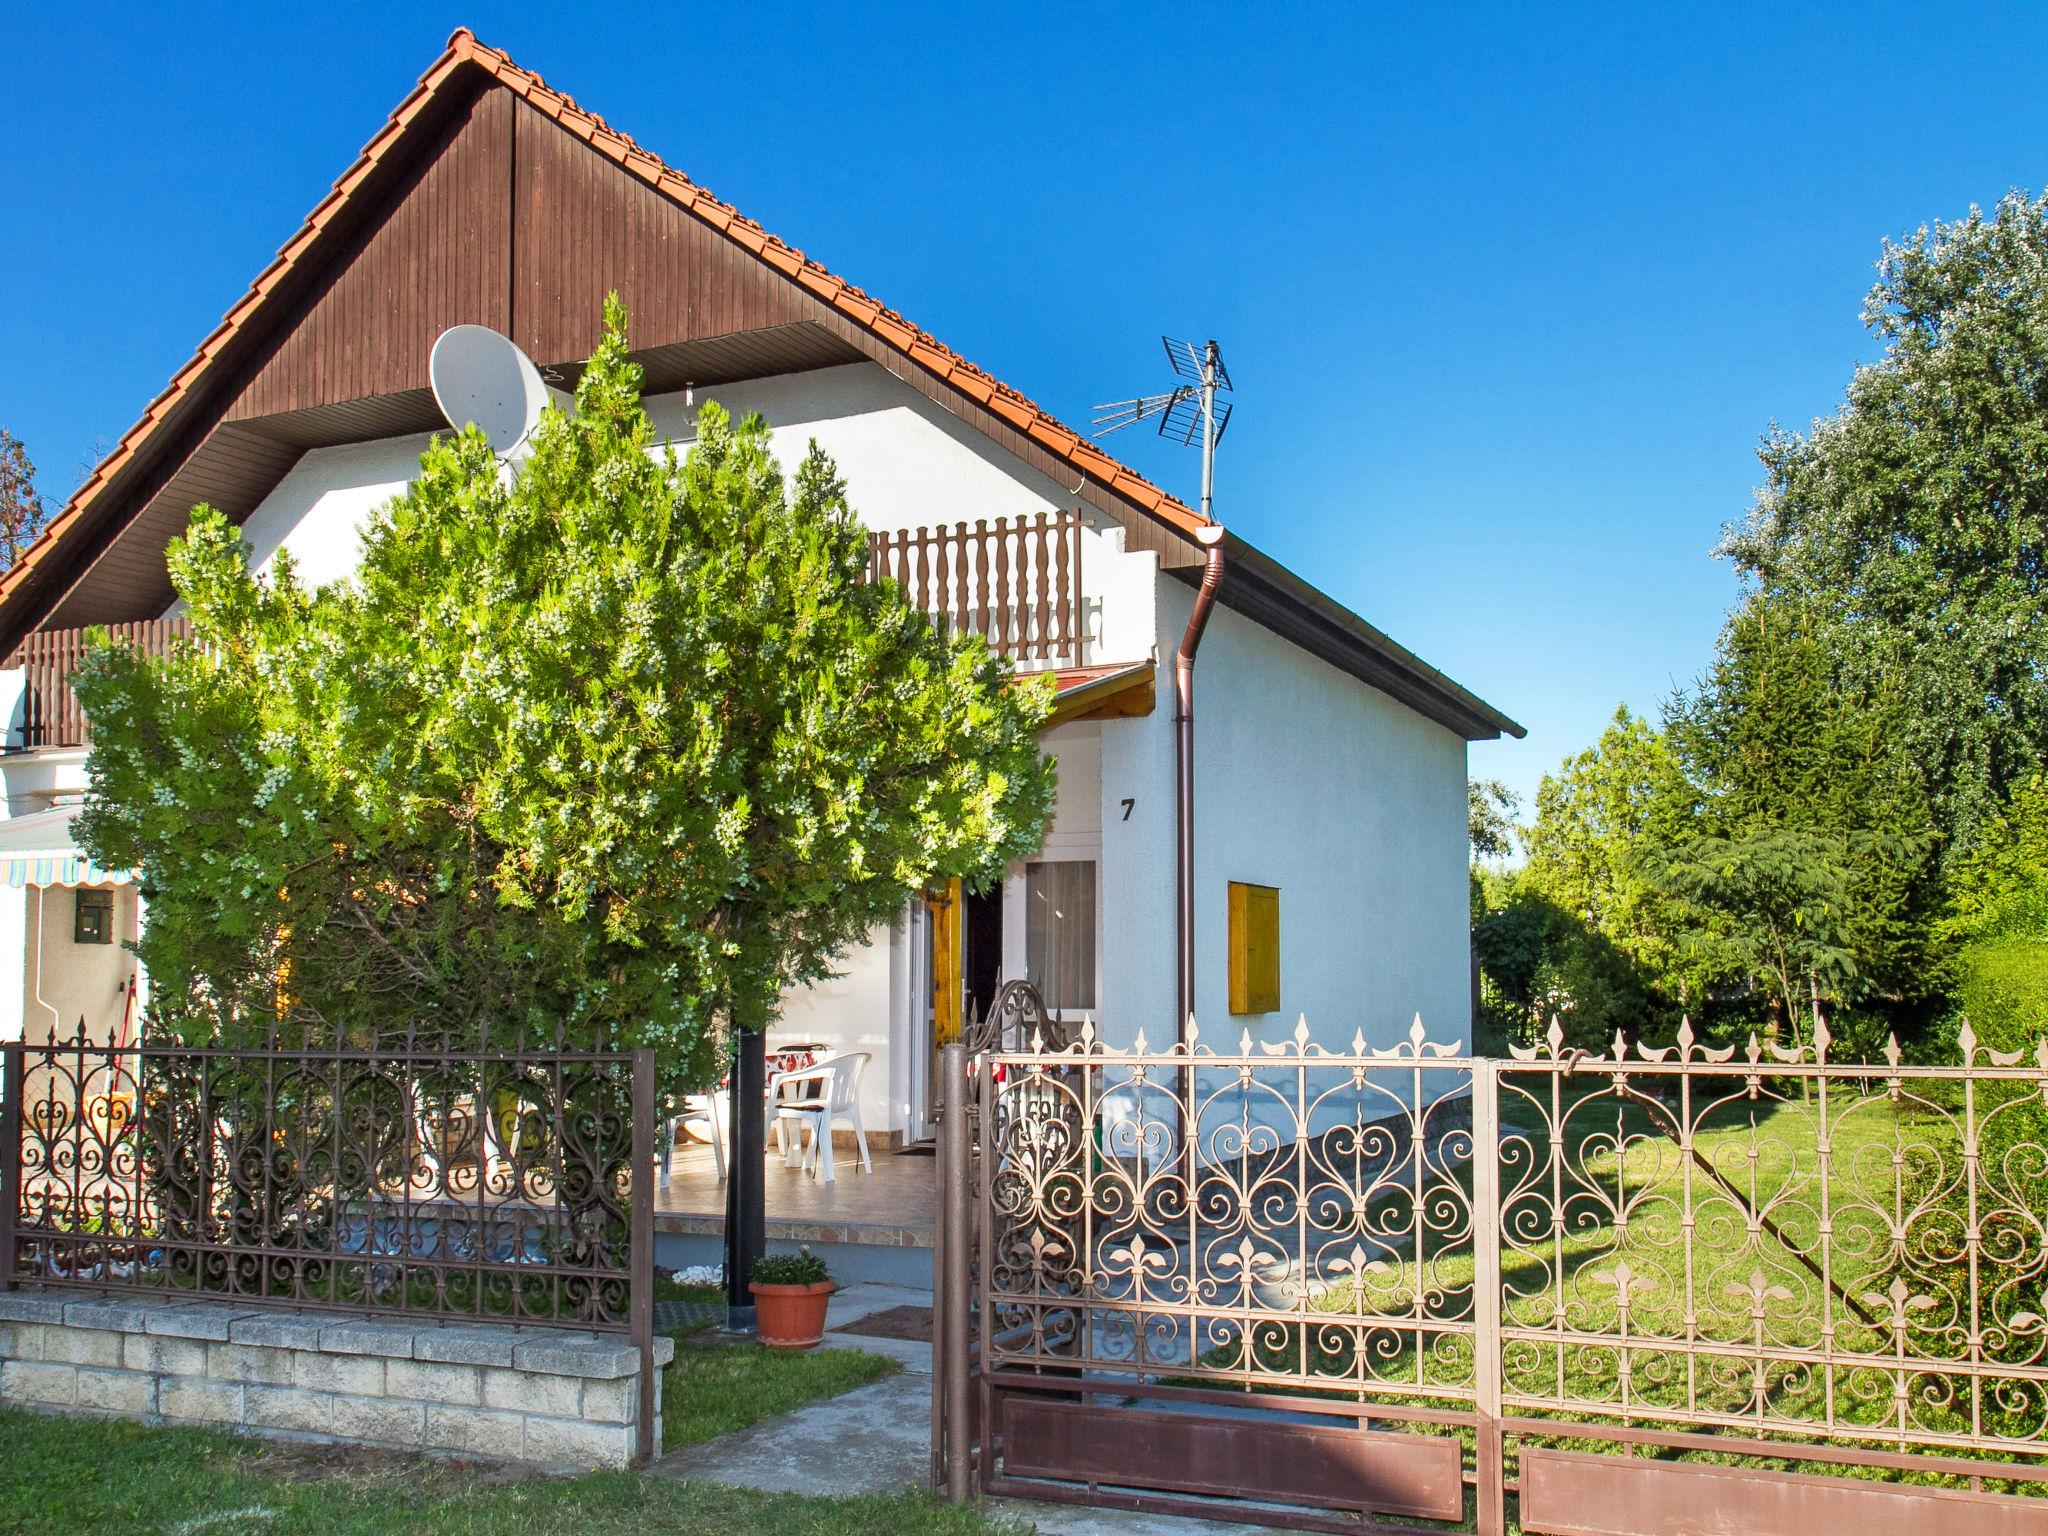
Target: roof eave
[{"x": 1261, "y": 588}]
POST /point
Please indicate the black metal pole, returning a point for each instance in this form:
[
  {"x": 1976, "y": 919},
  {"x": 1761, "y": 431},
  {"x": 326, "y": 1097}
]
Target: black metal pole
[
  {"x": 745, "y": 1193},
  {"x": 11, "y": 1089}
]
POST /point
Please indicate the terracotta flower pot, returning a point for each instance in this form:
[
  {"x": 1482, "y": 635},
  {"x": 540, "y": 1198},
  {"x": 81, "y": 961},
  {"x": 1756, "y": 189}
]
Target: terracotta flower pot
[{"x": 791, "y": 1316}]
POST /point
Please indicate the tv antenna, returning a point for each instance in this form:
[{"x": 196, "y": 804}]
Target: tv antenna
[{"x": 1188, "y": 413}]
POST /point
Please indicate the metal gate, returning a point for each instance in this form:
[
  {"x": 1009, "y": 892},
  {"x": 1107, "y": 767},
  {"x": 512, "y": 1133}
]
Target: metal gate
[{"x": 1640, "y": 1293}]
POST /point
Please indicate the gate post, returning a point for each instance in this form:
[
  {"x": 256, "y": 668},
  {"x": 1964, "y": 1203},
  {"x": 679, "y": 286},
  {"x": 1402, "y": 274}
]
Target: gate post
[
  {"x": 12, "y": 1087},
  {"x": 1486, "y": 1350},
  {"x": 954, "y": 1182},
  {"x": 640, "y": 1249}
]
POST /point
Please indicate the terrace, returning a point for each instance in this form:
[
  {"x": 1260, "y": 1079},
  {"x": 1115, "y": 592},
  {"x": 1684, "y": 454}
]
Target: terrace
[{"x": 895, "y": 1206}]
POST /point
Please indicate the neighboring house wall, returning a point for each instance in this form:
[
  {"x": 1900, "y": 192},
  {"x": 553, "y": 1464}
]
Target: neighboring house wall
[
  {"x": 65, "y": 981},
  {"x": 13, "y": 942}
]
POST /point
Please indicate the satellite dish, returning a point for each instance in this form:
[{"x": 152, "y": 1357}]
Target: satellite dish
[{"x": 479, "y": 376}]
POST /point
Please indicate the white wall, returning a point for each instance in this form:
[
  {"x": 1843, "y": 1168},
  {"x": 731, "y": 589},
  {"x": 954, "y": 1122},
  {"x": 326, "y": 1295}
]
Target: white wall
[
  {"x": 319, "y": 509},
  {"x": 1308, "y": 780},
  {"x": 34, "y": 781},
  {"x": 64, "y": 980},
  {"x": 1137, "y": 866},
  {"x": 907, "y": 464},
  {"x": 851, "y": 1012},
  {"x": 13, "y": 706}
]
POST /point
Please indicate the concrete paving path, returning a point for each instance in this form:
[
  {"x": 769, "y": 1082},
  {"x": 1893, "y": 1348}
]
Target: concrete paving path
[{"x": 877, "y": 1439}]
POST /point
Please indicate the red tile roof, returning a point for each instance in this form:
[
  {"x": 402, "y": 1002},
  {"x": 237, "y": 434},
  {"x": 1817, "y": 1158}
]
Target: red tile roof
[{"x": 465, "y": 51}]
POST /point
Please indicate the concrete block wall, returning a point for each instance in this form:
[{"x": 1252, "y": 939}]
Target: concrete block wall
[{"x": 544, "y": 1396}]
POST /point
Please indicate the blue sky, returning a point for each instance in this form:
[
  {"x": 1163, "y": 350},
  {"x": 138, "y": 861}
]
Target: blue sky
[{"x": 1509, "y": 293}]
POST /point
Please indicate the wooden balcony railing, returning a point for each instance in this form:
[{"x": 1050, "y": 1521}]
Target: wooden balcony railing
[
  {"x": 50, "y": 713},
  {"x": 1016, "y": 581}
]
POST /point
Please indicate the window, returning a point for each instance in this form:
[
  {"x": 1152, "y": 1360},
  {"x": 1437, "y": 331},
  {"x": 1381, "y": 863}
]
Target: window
[
  {"x": 1254, "y": 948},
  {"x": 1059, "y": 932},
  {"x": 93, "y": 918}
]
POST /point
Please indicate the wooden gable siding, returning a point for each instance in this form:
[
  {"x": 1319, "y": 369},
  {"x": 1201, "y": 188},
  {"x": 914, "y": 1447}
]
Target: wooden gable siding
[
  {"x": 227, "y": 448},
  {"x": 435, "y": 256},
  {"x": 585, "y": 229},
  {"x": 500, "y": 217}
]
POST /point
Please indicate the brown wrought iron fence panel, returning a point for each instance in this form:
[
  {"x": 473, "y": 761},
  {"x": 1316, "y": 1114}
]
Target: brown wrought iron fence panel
[{"x": 488, "y": 1185}]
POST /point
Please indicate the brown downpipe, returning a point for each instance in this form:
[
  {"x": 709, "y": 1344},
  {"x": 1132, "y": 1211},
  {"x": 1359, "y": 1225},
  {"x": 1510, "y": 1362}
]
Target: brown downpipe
[{"x": 1211, "y": 538}]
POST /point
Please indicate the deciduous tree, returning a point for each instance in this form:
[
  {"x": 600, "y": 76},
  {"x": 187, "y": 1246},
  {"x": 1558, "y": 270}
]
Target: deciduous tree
[
  {"x": 1594, "y": 818},
  {"x": 1801, "y": 765},
  {"x": 22, "y": 513},
  {"x": 1914, "y": 521}
]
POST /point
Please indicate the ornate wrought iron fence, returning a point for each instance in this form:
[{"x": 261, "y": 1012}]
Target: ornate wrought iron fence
[
  {"x": 1207, "y": 1278},
  {"x": 494, "y": 1185}
]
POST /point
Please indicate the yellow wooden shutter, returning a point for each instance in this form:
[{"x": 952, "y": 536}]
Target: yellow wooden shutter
[
  {"x": 1254, "y": 948},
  {"x": 946, "y": 962}
]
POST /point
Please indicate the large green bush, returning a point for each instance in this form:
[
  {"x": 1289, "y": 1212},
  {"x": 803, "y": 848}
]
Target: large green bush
[
  {"x": 2003, "y": 990},
  {"x": 624, "y": 746}
]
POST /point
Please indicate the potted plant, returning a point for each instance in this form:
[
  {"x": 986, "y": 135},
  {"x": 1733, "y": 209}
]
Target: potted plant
[{"x": 791, "y": 1291}]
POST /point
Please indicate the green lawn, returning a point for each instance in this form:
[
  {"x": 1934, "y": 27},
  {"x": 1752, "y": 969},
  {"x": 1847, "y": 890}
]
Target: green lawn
[
  {"x": 64, "y": 1477},
  {"x": 714, "y": 1390},
  {"x": 1756, "y": 1201}
]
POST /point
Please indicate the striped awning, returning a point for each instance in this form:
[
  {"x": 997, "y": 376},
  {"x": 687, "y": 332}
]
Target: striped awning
[{"x": 38, "y": 849}]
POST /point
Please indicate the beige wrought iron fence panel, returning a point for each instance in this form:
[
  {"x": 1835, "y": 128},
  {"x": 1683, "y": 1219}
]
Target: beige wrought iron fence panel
[
  {"x": 1315, "y": 1286},
  {"x": 1223, "y": 1229},
  {"x": 1766, "y": 1241}
]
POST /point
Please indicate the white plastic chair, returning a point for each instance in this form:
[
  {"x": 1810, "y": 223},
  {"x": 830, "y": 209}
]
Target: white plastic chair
[
  {"x": 700, "y": 1110},
  {"x": 836, "y": 1099}
]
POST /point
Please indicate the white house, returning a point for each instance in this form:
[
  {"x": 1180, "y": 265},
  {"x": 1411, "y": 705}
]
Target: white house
[{"x": 1328, "y": 762}]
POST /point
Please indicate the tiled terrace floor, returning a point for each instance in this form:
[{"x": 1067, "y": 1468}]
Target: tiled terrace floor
[{"x": 895, "y": 1206}]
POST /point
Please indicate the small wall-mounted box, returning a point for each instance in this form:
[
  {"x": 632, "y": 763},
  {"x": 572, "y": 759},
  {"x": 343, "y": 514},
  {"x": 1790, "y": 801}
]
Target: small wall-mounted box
[{"x": 93, "y": 917}]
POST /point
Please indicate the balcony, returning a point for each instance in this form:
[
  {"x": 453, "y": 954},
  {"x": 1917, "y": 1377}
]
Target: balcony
[
  {"x": 48, "y": 712},
  {"x": 1015, "y": 581}
]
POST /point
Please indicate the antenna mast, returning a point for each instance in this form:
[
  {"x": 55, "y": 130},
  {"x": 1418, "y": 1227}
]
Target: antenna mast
[
  {"x": 1189, "y": 412},
  {"x": 1190, "y": 409}
]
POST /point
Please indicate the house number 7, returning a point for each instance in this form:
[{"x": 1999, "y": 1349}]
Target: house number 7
[{"x": 1128, "y": 803}]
